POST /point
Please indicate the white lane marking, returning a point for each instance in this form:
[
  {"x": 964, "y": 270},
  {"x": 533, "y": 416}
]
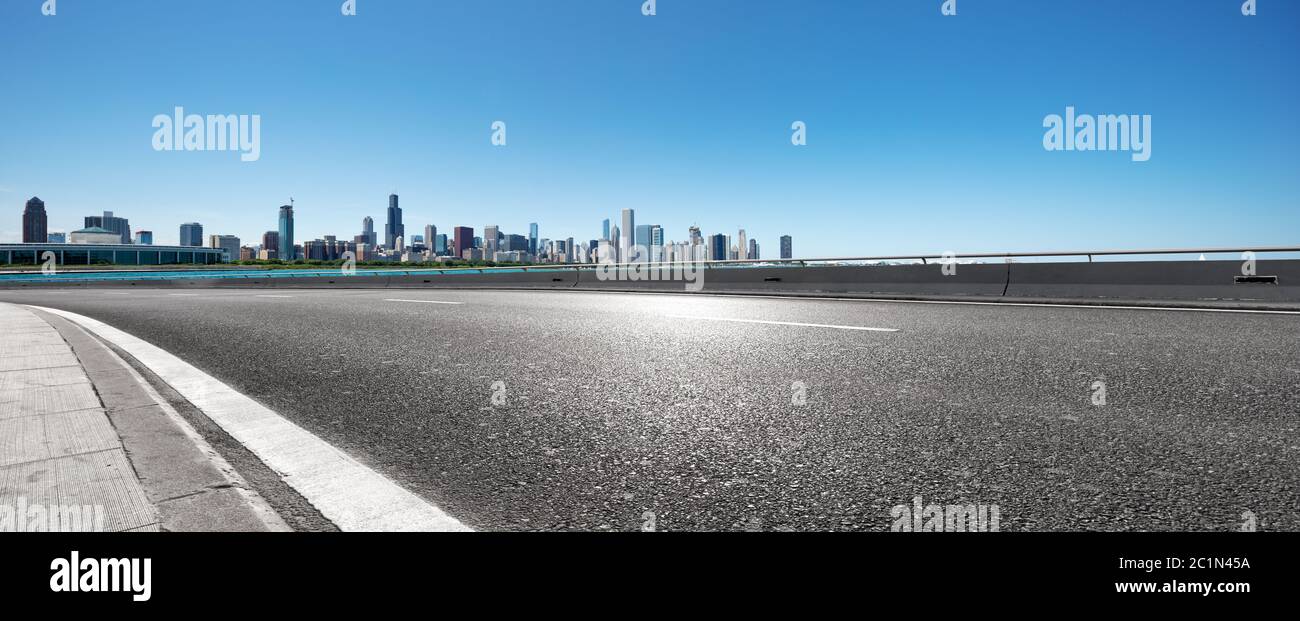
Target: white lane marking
[
  {"x": 815, "y": 298},
  {"x": 116, "y": 293},
  {"x": 182, "y": 294},
  {"x": 421, "y": 301},
  {"x": 786, "y": 323},
  {"x": 274, "y": 296},
  {"x": 352, "y": 496}
]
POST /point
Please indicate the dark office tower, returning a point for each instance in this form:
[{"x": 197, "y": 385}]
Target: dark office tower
[
  {"x": 109, "y": 223},
  {"x": 718, "y": 244},
  {"x": 368, "y": 231},
  {"x": 192, "y": 234},
  {"x": 394, "y": 228},
  {"x": 532, "y": 238},
  {"x": 35, "y": 224},
  {"x": 787, "y": 247},
  {"x": 271, "y": 244},
  {"x": 287, "y": 252},
  {"x": 462, "y": 240},
  {"x": 753, "y": 248}
]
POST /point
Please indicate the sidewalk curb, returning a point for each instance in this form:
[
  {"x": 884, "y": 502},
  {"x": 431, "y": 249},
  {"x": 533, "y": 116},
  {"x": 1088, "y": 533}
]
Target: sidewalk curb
[{"x": 193, "y": 487}]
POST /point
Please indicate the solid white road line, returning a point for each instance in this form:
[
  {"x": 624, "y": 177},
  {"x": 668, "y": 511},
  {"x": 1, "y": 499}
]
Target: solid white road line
[
  {"x": 274, "y": 296},
  {"x": 421, "y": 301},
  {"x": 786, "y": 323},
  {"x": 182, "y": 294},
  {"x": 352, "y": 496}
]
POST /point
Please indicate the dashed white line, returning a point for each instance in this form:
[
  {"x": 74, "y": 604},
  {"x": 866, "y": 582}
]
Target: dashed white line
[
  {"x": 786, "y": 323},
  {"x": 421, "y": 301},
  {"x": 346, "y": 492}
]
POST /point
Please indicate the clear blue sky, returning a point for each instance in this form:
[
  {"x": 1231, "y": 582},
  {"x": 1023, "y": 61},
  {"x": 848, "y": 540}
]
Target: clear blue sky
[{"x": 925, "y": 132}]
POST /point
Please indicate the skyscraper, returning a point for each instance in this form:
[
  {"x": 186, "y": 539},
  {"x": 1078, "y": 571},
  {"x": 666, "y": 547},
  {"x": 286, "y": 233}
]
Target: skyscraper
[
  {"x": 656, "y": 242},
  {"x": 532, "y": 238},
  {"x": 430, "y": 236},
  {"x": 35, "y": 223},
  {"x": 287, "y": 252},
  {"x": 604, "y": 229},
  {"x": 271, "y": 244},
  {"x": 627, "y": 230},
  {"x": 394, "y": 228},
  {"x": 753, "y": 249},
  {"x": 718, "y": 247},
  {"x": 490, "y": 240},
  {"x": 229, "y": 242},
  {"x": 110, "y": 223},
  {"x": 640, "y": 251},
  {"x": 368, "y": 231},
  {"x": 462, "y": 240},
  {"x": 787, "y": 247},
  {"x": 742, "y": 247},
  {"x": 192, "y": 234}
]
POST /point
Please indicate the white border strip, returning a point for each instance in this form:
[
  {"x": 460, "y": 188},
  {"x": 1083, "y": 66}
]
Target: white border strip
[{"x": 347, "y": 493}]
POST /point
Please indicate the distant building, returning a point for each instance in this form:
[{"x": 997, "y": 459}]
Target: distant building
[
  {"x": 440, "y": 245},
  {"x": 229, "y": 243},
  {"x": 144, "y": 238},
  {"x": 743, "y": 246},
  {"x": 110, "y": 223},
  {"x": 490, "y": 237},
  {"x": 35, "y": 223},
  {"x": 462, "y": 240},
  {"x": 753, "y": 249},
  {"x": 247, "y": 254},
  {"x": 270, "y": 245},
  {"x": 86, "y": 250},
  {"x": 532, "y": 238},
  {"x": 394, "y": 228},
  {"x": 627, "y": 230},
  {"x": 787, "y": 247},
  {"x": 288, "y": 251},
  {"x": 368, "y": 230},
  {"x": 95, "y": 235},
  {"x": 192, "y": 234},
  {"x": 718, "y": 247},
  {"x": 430, "y": 236}
]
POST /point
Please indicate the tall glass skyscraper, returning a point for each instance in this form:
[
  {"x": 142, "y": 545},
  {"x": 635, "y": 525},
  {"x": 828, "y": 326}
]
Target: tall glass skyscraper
[
  {"x": 368, "y": 231},
  {"x": 626, "y": 231},
  {"x": 286, "y": 250},
  {"x": 394, "y": 228},
  {"x": 604, "y": 229},
  {"x": 532, "y": 238},
  {"x": 787, "y": 247}
]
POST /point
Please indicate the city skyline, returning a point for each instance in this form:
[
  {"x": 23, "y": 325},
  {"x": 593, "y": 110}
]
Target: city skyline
[{"x": 954, "y": 161}]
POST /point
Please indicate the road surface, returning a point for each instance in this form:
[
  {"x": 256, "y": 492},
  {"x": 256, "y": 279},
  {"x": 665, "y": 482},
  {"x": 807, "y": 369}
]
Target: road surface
[{"x": 696, "y": 412}]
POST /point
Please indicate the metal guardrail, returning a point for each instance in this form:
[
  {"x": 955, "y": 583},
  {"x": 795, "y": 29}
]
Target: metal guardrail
[{"x": 177, "y": 274}]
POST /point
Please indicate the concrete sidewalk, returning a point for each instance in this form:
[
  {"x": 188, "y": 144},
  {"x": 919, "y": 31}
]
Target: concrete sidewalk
[{"x": 87, "y": 445}]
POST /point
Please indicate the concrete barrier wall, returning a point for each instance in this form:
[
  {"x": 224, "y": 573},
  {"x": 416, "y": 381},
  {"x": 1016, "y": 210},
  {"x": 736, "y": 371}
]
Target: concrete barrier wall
[
  {"x": 1155, "y": 280},
  {"x": 1145, "y": 280}
]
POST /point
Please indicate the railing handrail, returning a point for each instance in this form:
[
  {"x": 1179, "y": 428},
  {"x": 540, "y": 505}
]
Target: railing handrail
[{"x": 380, "y": 271}]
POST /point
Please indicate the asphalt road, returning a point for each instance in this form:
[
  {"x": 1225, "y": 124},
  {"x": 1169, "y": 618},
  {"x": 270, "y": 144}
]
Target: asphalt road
[{"x": 619, "y": 404}]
